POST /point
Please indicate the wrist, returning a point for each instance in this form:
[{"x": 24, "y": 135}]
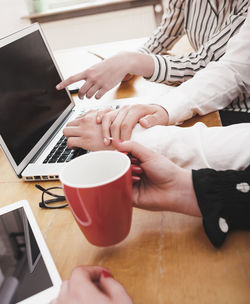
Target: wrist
[
  {"x": 140, "y": 64},
  {"x": 186, "y": 201}
]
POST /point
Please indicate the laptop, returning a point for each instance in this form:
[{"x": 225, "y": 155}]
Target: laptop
[
  {"x": 32, "y": 112},
  {"x": 27, "y": 271}
]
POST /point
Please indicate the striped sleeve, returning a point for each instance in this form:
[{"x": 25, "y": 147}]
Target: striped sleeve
[
  {"x": 182, "y": 68},
  {"x": 170, "y": 30}
]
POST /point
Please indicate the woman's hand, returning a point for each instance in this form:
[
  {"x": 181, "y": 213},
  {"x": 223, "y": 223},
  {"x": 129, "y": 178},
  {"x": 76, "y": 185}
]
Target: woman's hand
[
  {"x": 102, "y": 77},
  {"x": 162, "y": 185},
  {"x": 92, "y": 284},
  {"x": 119, "y": 124},
  {"x": 85, "y": 133}
]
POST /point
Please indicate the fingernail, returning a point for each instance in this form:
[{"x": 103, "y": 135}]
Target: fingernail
[
  {"x": 106, "y": 141},
  {"x": 98, "y": 118},
  {"x": 106, "y": 274},
  {"x": 58, "y": 87},
  {"x": 135, "y": 179},
  {"x": 137, "y": 169},
  {"x": 134, "y": 160},
  {"x": 145, "y": 122}
]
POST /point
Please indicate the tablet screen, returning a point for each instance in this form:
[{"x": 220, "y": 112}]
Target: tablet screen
[{"x": 23, "y": 272}]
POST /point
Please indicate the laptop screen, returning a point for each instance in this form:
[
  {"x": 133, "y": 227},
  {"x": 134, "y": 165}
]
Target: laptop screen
[{"x": 29, "y": 101}]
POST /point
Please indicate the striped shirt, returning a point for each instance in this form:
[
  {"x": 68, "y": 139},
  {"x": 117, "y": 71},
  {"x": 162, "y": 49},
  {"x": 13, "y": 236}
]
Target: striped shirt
[{"x": 208, "y": 28}]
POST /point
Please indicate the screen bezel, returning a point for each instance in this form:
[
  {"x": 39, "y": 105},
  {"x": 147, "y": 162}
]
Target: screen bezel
[
  {"x": 32, "y": 264},
  {"x": 3, "y": 42},
  {"x": 46, "y": 295}
]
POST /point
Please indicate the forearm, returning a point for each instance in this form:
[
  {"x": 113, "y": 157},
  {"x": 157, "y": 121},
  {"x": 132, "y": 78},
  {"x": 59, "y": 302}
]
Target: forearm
[
  {"x": 202, "y": 94},
  {"x": 199, "y": 146},
  {"x": 139, "y": 64}
]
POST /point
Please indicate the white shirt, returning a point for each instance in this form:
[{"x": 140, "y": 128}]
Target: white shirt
[
  {"x": 197, "y": 147},
  {"x": 214, "y": 87},
  {"x": 211, "y": 89},
  {"x": 208, "y": 28}
]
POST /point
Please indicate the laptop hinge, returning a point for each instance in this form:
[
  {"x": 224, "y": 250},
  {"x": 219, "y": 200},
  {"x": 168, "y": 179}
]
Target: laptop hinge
[{"x": 55, "y": 132}]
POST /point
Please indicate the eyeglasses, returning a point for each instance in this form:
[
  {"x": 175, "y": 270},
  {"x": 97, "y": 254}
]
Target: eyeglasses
[{"x": 55, "y": 192}]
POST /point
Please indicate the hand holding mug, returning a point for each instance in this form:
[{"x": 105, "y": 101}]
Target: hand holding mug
[{"x": 163, "y": 186}]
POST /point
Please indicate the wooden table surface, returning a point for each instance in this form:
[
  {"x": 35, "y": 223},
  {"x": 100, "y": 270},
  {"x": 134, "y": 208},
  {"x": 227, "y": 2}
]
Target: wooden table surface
[{"x": 166, "y": 258}]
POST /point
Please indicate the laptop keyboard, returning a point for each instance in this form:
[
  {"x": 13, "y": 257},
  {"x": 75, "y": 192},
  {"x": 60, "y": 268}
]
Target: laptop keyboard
[{"x": 61, "y": 153}]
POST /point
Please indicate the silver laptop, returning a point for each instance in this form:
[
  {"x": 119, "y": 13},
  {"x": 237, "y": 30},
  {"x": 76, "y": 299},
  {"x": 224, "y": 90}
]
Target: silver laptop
[
  {"x": 32, "y": 111},
  {"x": 28, "y": 274}
]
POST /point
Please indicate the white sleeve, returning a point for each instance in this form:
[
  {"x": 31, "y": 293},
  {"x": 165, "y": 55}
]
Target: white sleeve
[
  {"x": 217, "y": 85},
  {"x": 198, "y": 146}
]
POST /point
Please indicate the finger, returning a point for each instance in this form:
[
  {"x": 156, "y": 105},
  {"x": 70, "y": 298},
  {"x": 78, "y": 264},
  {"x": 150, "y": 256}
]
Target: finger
[
  {"x": 70, "y": 80},
  {"x": 119, "y": 122},
  {"x": 75, "y": 142},
  {"x": 160, "y": 117},
  {"x": 127, "y": 77},
  {"x": 106, "y": 123},
  {"x": 136, "y": 169},
  {"x": 92, "y": 273},
  {"x": 84, "y": 89},
  {"x": 100, "y": 93},
  {"x": 133, "y": 116},
  {"x": 111, "y": 287},
  {"x": 135, "y": 179},
  {"x": 87, "y": 278},
  {"x": 92, "y": 91},
  {"x": 72, "y": 132},
  {"x": 129, "y": 122},
  {"x": 148, "y": 121},
  {"x": 134, "y": 160},
  {"x": 101, "y": 113},
  {"x": 137, "y": 150},
  {"x": 74, "y": 123}
]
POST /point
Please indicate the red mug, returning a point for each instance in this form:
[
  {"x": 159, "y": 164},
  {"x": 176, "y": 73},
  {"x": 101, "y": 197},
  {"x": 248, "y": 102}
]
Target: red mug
[{"x": 98, "y": 188}]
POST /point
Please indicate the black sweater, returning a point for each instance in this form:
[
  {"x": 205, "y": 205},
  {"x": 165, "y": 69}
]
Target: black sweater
[{"x": 224, "y": 201}]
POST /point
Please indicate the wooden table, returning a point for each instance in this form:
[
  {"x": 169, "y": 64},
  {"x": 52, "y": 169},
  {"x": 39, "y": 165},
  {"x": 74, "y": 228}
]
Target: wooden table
[{"x": 166, "y": 258}]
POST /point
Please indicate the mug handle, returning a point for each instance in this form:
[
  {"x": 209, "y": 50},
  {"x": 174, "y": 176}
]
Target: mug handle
[{"x": 88, "y": 222}]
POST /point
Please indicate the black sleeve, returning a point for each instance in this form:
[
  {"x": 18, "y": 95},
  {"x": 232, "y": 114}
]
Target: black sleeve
[{"x": 224, "y": 201}]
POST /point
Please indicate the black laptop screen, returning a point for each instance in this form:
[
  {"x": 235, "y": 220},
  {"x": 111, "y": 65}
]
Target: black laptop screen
[{"x": 29, "y": 101}]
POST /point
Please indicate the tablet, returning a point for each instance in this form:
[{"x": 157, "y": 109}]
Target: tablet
[{"x": 27, "y": 271}]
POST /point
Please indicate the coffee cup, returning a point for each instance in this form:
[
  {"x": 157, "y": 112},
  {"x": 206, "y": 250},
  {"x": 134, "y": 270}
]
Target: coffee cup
[{"x": 98, "y": 188}]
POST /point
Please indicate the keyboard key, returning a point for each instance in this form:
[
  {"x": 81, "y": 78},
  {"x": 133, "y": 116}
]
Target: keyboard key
[
  {"x": 62, "y": 159},
  {"x": 61, "y": 153}
]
